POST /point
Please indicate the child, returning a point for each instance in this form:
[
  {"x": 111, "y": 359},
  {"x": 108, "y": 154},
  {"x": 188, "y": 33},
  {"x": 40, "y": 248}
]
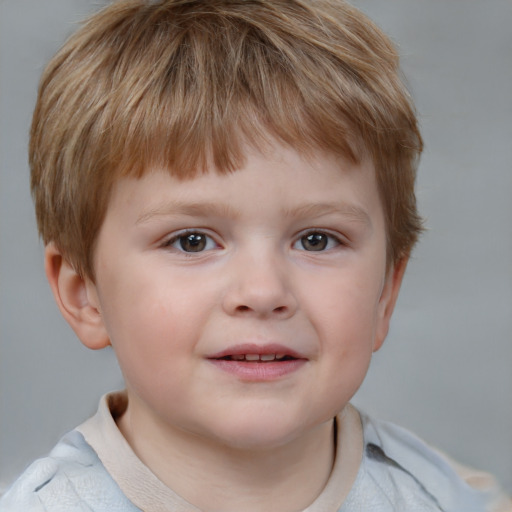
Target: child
[{"x": 225, "y": 191}]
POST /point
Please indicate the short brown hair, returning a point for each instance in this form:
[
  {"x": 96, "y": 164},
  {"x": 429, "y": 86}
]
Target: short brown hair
[{"x": 187, "y": 83}]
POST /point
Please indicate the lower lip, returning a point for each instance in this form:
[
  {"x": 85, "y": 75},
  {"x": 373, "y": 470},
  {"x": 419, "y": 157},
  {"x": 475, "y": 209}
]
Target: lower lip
[{"x": 259, "y": 372}]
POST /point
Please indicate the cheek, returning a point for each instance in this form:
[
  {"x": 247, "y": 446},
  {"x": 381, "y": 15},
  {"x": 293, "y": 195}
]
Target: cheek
[
  {"x": 346, "y": 309},
  {"x": 152, "y": 324},
  {"x": 345, "y": 322}
]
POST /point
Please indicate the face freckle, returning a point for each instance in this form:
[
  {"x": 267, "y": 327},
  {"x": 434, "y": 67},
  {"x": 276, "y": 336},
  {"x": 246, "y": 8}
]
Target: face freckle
[{"x": 244, "y": 308}]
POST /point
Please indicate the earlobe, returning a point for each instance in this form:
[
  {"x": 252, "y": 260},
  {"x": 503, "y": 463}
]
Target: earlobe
[
  {"x": 388, "y": 300},
  {"x": 76, "y": 298}
]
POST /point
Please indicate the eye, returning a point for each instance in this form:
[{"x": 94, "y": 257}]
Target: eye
[
  {"x": 316, "y": 241},
  {"x": 193, "y": 241}
]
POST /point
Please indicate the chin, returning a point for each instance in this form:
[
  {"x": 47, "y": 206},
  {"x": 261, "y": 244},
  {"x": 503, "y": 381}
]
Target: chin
[{"x": 258, "y": 433}]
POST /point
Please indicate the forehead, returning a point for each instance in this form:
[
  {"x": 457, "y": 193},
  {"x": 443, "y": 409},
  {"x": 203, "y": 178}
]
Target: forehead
[{"x": 292, "y": 184}]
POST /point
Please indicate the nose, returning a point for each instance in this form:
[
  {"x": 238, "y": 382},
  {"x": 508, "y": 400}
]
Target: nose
[{"x": 260, "y": 286}]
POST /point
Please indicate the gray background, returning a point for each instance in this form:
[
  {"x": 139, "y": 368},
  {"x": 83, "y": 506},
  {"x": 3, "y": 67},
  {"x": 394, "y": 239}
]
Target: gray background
[{"x": 446, "y": 369}]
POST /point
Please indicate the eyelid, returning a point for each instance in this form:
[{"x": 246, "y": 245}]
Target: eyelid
[{"x": 324, "y": 231}]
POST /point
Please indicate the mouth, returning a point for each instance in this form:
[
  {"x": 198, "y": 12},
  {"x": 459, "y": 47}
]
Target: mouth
[
  {"x": 250, "y": 362},
  {"x": 254, "y": 353},
  {"x": 258, "y": 358}
]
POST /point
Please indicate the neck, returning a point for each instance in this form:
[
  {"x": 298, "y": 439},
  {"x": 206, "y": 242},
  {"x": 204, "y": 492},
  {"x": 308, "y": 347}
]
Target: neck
[{"x": 287, "y": 478}]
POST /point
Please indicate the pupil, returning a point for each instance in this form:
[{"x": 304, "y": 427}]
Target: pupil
[
  {"x": 314, "y": 242},
  {"x": 193, "y": 242}
]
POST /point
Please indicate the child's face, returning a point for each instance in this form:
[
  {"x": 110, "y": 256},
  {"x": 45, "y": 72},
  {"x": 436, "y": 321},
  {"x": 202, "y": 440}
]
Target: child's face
[{"x": 283, "y": 261}]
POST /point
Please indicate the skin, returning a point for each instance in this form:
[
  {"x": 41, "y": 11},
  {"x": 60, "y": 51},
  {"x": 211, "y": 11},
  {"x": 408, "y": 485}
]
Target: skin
[{"x": 255, "y": 281}]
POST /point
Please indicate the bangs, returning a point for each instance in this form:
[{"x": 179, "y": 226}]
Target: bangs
[{"x": 218, "y": 87}]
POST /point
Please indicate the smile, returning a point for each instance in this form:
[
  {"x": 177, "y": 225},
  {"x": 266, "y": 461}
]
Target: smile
[{"x": 252, "y": 363}]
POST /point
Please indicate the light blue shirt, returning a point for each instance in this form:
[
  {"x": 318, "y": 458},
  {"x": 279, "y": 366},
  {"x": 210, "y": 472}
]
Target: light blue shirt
[{"x": 398, "y": 472}]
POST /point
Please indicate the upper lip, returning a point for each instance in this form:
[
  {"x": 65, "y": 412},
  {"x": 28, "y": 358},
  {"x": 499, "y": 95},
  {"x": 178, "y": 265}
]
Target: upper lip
[{"x": 253, "y": 348}]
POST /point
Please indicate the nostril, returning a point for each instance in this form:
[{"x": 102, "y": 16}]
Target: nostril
[{"x": 244, "y": 309}]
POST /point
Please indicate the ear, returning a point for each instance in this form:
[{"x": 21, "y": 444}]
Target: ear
[
  {"x": 388, "y": 299},
  {"x": 76, "y": 298}
]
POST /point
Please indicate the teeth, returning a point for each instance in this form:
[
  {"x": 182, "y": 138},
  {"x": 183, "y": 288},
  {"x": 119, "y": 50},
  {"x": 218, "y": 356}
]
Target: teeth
[{"x": 257, "y": 357}]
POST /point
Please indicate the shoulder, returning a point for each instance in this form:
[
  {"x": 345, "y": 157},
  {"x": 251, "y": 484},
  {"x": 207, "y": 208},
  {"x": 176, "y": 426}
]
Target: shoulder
[
  {"x": 70, "y": 479},
  {"x": 404, "y": 470}
]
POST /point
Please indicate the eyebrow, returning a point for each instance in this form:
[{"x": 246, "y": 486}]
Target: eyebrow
[
  {"x": 188, "y": 209},
  {"x": 351, "y": 211},
  {"x": 176, "y": 208}
]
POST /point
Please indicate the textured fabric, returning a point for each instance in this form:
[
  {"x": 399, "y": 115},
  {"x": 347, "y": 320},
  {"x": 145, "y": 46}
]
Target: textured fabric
[
  {"x": 397, "y": 472},
  {"x": 70, "y": 479},
  {"x": 400, "y": 472}
]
